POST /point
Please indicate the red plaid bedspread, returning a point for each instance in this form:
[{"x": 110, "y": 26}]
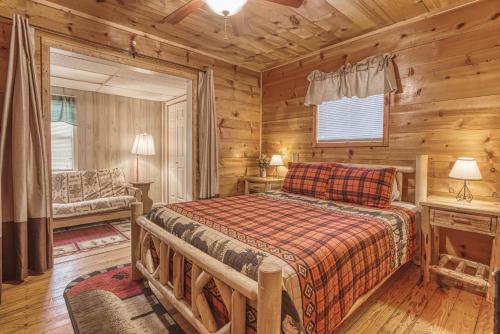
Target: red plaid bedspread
[{"x": 338, "y": 252}]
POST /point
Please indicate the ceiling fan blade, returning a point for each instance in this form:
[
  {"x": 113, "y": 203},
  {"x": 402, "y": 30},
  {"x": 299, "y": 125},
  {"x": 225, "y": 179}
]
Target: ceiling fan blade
[
  {"x": 239, "y": 23},
  {"x": 289, "y": 3},
  {"x": 182, "y": 12}
]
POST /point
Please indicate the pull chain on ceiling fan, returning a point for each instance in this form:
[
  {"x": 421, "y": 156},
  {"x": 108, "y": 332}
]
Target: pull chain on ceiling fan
[{"x": 229, "y": 9}]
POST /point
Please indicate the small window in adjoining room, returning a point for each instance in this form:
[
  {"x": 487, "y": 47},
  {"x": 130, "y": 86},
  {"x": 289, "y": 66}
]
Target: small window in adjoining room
[
  {"x": 63, "y": 127},
  {"x": 352, "y": 122},
  {"x": 62, "y": 146}
]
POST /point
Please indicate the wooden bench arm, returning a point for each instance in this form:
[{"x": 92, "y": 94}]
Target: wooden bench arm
[{"x": 136, "y": 192}]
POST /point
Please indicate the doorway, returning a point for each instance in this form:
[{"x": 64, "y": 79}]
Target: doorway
[
  {"x": 142, "y": 67},
  {"x": 100, "y": 109}
]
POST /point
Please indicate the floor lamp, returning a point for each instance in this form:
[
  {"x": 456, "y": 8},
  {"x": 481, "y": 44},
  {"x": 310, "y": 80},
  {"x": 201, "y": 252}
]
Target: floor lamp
[{"x": 143, "y": 145}]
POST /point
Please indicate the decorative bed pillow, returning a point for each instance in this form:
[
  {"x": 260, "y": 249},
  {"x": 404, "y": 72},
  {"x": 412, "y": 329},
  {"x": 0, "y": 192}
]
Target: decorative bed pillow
[
  {"x": 369, "y": 187},
  {"x": 307, "y": 179}
]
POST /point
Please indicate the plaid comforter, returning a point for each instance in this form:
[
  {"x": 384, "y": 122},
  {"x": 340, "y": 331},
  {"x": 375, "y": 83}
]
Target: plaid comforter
[{"x": 331, "y": 253}]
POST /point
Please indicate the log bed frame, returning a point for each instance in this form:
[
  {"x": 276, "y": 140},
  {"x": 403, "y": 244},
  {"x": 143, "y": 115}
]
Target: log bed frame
[{"x": 236, "y": 289}]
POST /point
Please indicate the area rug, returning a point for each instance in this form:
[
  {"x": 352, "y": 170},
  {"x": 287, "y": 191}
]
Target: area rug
[
  {"x": 88, "y": 238},
  {"x": 108, "y": 301}
]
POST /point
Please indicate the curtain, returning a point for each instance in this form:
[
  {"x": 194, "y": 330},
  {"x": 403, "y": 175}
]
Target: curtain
[
  {"x": 207, "y": 133},
  {"x": 63, "y": 109},
  {"x": 371, "y": 76},
  {"x": 25, "y": 203}
]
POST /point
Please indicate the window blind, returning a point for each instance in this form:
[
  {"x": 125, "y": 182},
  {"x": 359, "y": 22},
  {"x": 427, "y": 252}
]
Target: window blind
[
  {"x": 351, "y": 119},
  {"x": 62, "y": 146}
]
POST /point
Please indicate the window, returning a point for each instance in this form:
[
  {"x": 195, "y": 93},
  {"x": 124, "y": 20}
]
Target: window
[
  {"x": 62, "y": 146},
  {"x": 352, "y": 121}
]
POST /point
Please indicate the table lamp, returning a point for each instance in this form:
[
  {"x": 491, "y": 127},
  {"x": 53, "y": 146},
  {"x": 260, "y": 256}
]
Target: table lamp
[
  {"x": 276, "y": 161},
  {"x": 465, "y": 169},
  {"x": 143, "y": 145}
]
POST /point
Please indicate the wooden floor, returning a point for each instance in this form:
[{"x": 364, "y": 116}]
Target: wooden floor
[{"x": 401, "y": 306}]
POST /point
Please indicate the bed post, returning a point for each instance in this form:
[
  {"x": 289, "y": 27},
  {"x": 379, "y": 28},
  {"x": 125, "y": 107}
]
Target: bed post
[
  {"x": 421, "y": 178},
  {"x": 269, "y": 299},
  {"x": 135, "y": 231}
]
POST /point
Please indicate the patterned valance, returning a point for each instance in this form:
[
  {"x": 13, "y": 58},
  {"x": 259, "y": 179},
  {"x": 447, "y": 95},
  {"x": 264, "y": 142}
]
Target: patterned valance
[
  {"x": 371, "y": 76},
  {"x": 63, "y": 109}
]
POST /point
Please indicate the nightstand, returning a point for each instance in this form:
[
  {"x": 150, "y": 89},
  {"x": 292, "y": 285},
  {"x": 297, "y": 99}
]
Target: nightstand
[
  {"x": 472, "y": 220},
  {"x": 143, "y": 186},
  {"x": 251, "y": 182}
]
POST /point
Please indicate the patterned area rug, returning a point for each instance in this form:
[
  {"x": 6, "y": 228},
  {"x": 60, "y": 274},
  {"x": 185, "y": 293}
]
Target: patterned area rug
[
  {"x": 108, "y": 301},
  {"x": 89, "y": 238}
]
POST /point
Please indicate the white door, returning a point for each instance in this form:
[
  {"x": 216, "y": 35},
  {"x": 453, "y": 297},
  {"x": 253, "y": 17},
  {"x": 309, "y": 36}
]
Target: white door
[{"x": 176, "y": 153}]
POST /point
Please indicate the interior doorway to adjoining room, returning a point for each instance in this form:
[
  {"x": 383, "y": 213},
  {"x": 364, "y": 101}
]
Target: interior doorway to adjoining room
[{"x": 107, "y": 105}]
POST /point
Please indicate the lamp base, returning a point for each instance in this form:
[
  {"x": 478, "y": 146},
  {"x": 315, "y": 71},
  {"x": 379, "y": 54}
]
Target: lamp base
[{"x": 465, "y": 194}]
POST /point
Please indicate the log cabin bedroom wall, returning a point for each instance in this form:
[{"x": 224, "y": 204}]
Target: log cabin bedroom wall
[
  {"x": 284, "y": 247},
  {"x": 447, "y": 104}
]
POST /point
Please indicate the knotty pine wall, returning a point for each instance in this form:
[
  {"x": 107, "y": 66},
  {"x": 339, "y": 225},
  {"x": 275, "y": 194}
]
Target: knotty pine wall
[
  {"x": 107, "y": 125},
  {"x": 237, "y": 89},
  {"x": 448, "y": 105}
]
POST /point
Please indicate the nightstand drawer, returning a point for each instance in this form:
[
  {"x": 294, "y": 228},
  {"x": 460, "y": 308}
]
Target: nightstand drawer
[{"x": 459, "y": 220}]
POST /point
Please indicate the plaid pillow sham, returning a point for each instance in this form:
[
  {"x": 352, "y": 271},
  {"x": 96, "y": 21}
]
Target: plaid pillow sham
[
  {"x": 307, "y": 179},
  {"x": 369, "y": 187}
]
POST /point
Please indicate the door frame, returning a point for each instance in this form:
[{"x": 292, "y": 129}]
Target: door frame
[{"x": 46, "y": 41}]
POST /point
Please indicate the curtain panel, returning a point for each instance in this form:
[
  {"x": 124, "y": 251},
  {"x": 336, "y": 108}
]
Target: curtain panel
[
  {"x": 25, "y": 204},
  {"x": 63, "y": 109},
  {"x": 371, "y": 76},
  {"x": 207, "y": 136}
]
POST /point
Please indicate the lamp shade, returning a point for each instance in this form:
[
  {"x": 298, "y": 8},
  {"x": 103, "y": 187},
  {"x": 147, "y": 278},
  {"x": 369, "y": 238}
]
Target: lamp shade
[
  {"x": 276, "y": 160},
  {"x": 226, "y": 7},
  {"x": 465, "y": 169},
  {"x": 144, "y": 144}
]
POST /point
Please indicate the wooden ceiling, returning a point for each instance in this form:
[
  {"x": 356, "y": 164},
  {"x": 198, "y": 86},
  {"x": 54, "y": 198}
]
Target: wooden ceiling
[{"x": 276, "y": 34}]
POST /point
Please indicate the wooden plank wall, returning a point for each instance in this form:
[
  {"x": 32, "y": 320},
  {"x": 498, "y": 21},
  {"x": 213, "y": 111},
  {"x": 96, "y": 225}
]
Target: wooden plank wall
[
  {"x": 107, "y": 125},
  {"x": 237, "y": 89},
  {"x": 449, "y": 104}
]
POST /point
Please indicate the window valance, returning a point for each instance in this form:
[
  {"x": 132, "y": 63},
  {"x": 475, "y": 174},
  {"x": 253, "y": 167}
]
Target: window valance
[
  {"x": 371, "y": 76},
  {"x": 63, "y": 109}
]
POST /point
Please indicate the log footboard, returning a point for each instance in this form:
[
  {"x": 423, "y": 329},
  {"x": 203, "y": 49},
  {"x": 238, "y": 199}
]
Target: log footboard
[{"x": 236, "y": 289}]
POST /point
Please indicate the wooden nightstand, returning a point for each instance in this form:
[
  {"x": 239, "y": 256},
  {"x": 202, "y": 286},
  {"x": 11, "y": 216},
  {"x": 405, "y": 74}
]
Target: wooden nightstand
[
  {"x": 473, "y": 220},
  {"x": 266, "y": 182},
  {"x": 143, "y": 186}
]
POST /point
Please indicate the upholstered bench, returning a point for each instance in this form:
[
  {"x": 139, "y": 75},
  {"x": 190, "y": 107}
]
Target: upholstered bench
[{"x": 87, "y": 196}]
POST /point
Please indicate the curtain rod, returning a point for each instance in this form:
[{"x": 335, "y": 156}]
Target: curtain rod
[{"x": 63, "y": 95}]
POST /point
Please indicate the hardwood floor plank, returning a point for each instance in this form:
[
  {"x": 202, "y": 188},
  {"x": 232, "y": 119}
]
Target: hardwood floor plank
[
  {"x": 409, "y": 310},
  {"x": 464, "y": 315},
  {"x": 370, "y": 317},
  {"x": 484, "y": 323},
  {"x": 435, "y": 314}
]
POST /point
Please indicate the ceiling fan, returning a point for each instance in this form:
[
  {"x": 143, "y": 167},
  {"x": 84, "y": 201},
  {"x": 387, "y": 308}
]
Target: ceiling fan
[{"x": 229, "y": 9}]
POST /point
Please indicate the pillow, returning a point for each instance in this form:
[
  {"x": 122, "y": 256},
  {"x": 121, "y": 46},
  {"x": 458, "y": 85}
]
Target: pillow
[
  {"x": 369, "y": 187},
  {"x": 307, "y": 179}
]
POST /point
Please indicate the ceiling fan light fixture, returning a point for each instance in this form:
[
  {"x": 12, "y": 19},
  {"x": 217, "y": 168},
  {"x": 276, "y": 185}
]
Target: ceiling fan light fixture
[{"x": 226, "y": 7}]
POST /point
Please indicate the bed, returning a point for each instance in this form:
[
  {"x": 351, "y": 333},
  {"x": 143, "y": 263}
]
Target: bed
[{"x": 276, "y": 261}]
